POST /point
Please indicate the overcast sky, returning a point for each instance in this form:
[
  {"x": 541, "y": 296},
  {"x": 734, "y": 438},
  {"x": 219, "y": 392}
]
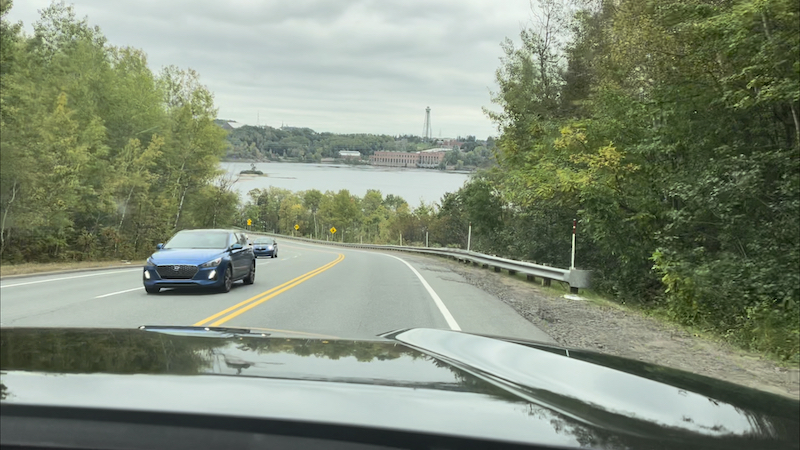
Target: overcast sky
[{"x": 357, "y": 66}]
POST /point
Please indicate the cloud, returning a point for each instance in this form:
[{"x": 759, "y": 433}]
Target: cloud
[{"x": 344, "y": 66}]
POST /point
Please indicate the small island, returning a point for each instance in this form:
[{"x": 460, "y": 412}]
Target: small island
[{"x": 251, "y": 171}]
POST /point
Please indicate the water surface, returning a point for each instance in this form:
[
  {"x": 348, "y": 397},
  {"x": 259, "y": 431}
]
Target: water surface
[{"x": 414, "y": 185}]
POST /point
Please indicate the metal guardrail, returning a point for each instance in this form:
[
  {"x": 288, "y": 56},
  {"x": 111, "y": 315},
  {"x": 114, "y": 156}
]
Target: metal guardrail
[{"x": 574, "y": 277}]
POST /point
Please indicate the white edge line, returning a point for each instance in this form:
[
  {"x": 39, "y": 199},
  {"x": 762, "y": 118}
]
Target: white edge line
[
  {"x": 69, "y": 278},
  {"x": 119, "y": 292},
  {"x": 451, "y": 322}
]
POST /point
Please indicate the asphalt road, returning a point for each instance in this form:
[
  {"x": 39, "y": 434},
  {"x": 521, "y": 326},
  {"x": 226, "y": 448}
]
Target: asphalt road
[{"x": 309, "y": 289}]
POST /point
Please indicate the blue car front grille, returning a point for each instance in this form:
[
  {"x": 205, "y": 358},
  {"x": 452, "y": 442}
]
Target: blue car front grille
[{"x": 176, "y": 271}]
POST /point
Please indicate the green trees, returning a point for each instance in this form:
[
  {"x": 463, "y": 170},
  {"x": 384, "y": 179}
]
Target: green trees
[
  {"x": 98, "y": 156},
  {"x": 306, "y": 145},
  {"x": 248, "y": 142},
  {"x": 670, "y": 130}
]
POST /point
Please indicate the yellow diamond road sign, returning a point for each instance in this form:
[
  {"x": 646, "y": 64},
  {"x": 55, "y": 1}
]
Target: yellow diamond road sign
[
  {"x": 333, "y": 230},
  {"x": 249, "y": 222},
  {"x": 296, "y": 226}
]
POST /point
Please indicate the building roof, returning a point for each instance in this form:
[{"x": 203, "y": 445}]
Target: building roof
[{"x": 431, "y": 150}]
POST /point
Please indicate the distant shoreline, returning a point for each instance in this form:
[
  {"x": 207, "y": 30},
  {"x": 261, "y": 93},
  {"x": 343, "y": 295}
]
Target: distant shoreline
[{"x": 340, "y": 163}]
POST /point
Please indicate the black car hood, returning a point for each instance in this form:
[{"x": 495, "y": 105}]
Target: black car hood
[{"x": 425, "y": 380}]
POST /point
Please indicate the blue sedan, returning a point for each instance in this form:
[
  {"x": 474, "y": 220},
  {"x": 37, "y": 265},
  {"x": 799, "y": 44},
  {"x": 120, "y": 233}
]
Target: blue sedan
[
  {"x": 200, "y": 258},
  {"x": 265, "y": 247}
]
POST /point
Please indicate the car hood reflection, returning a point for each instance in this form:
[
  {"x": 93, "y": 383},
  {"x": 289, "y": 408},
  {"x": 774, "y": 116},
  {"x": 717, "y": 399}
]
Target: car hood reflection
[{"x": 551, "y": 395}]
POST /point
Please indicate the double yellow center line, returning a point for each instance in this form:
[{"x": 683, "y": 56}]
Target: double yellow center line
[{"x": 252, "y": 302}]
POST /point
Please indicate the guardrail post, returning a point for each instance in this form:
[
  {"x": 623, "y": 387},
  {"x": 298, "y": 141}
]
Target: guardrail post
[
  {"x": 546, "y": 282},
  {"x": 512, "y": 272},
  {"x": 496, "y": 269},
  {"x": 530, "y": 277},
  {"x": 578, "y": 279}
]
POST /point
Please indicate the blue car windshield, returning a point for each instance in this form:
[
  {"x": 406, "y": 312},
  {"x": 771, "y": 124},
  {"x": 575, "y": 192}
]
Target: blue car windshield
[{"x": 198, "y": 240}]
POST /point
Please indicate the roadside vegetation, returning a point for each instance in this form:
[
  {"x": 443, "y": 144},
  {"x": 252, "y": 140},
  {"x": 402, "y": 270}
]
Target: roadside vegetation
[
  {"x": 670, "y": 129},
  {"x": 100, "y": 157}
]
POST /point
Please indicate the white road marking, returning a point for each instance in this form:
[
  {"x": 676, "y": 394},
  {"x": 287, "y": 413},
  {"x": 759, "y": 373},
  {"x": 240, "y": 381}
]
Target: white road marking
[
  {"x": 69, "y": 278},
  {"x": 451, "y": 321},
  {"x": 120, "y": 292},
  {"x": 439, "y": 303}
]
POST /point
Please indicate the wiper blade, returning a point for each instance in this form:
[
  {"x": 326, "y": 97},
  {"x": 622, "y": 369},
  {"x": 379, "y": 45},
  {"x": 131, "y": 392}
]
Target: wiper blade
[{"x": 196, "y": 329}]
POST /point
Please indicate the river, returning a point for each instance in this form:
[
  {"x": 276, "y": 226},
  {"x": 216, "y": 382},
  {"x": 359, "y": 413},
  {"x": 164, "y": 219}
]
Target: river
[{"x": 413, "y": 185}]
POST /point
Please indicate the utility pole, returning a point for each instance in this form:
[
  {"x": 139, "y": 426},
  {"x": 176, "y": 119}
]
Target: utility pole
[{"x": 426, "y": 238}]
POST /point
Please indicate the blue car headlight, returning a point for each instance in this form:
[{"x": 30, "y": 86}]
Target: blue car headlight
[{"x": 212, "y": 263}]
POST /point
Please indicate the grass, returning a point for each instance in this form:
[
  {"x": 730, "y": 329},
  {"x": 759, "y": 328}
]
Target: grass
[
  {"x": 561, "y": 288},
  {"x": 31, "y": 268},
  {"x": 658, "y": 314}
]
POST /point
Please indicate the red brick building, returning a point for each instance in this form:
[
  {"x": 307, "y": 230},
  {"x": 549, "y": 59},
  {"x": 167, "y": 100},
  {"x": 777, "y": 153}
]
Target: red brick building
[
  {"x": 394, "y": 159},
  {"x": 427, "y": 158},
  {"x": 430, "y": 158}
]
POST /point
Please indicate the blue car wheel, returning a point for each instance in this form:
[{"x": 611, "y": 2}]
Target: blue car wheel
[
  {"x": 251, "y": 277},
  {"x": 227, "y": 281}
]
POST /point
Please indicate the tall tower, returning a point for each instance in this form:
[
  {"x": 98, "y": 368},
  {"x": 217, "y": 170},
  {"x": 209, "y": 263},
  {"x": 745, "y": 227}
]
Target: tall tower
[{"x": 426, "y": 130}]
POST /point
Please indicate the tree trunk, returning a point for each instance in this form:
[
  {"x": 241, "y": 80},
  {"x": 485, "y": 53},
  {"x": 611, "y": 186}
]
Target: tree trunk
[
  {"x": 180, "y": 207},
  {"x": 766, "y": 26},
  {"x": 125, "y": 210},
  {"x": 796, "y": 125},
  {"x": 178, "y": 183},
  {"x": 5, "y": 216}
]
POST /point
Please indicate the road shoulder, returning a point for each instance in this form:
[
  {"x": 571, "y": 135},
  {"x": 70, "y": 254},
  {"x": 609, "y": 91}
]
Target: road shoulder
[
  {"x": 615, "y": 330},
  {"x": 35, "y": 270}
]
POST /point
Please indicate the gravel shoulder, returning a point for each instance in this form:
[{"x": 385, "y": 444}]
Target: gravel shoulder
[{"x": 614, "y": 329}]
